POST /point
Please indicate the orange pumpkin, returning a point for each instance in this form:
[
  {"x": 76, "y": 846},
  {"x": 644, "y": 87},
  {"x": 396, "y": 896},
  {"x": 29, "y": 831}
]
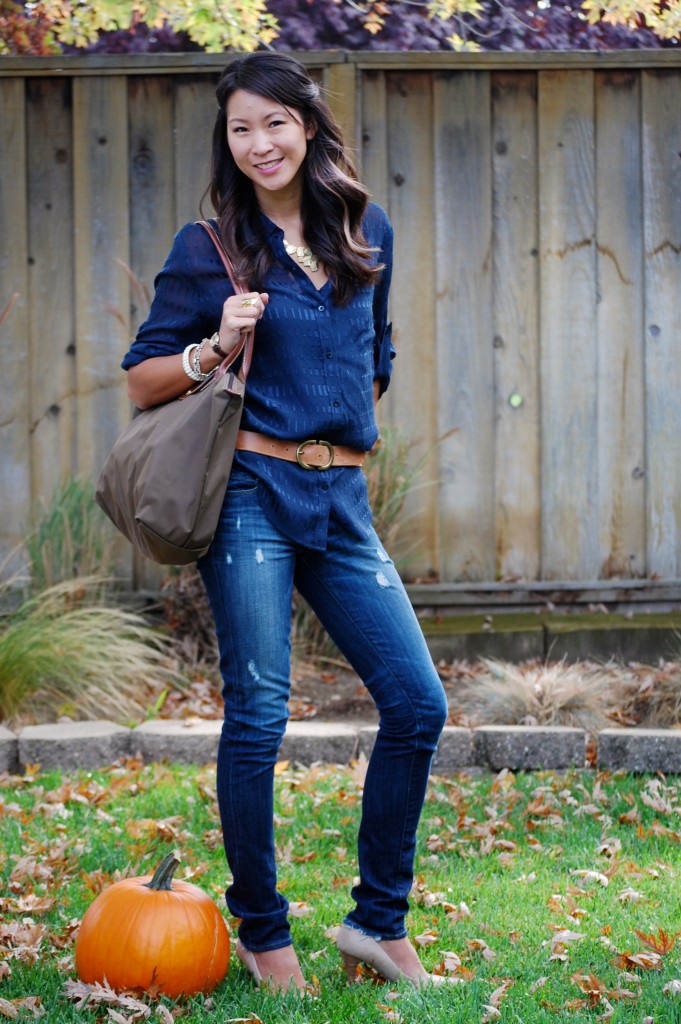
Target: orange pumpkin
[{"x": 152, "y": 931}]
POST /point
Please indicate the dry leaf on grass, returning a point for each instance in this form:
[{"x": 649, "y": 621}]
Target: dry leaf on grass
[
  {"x": 13, "y": 1008},
  {"x": 82, "y": 994},
  {"x": 480, "y": 946},
  {"x": 299, "y": 909},
  {"x": 592, "y": 876},
  {"x": 661, "y": 942},
  {"x": 646, "y": 961}
]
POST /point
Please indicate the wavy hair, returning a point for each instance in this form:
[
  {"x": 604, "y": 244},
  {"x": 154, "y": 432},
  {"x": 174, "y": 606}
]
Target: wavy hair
[{"x": 333, "y": 200}]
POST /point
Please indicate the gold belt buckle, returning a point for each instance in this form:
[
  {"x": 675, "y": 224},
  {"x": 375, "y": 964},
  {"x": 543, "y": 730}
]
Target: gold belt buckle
[{"x": 309, "y": 465}]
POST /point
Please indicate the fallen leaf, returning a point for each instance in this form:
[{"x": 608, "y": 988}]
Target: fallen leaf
[
  {"x": 660, "y": 943},
  {"x": 481, "y": 946},
  {"x": 500, "y": 992},
  {"x": 646, "y": 961},
  {"x": 673, "y": 988},
  {"x": 630, "y": 895},
  {"x": 591, "y": 876},
  {"x": 299, "y": 909}
]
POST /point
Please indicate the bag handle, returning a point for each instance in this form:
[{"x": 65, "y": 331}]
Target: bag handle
[{"x": 245, "y": 343}]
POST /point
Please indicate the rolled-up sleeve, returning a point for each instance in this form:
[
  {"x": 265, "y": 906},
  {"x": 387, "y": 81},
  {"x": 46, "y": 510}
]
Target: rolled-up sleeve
[
  {"x": 384, "y": 351},
  {"x": 179, "y": 314}
]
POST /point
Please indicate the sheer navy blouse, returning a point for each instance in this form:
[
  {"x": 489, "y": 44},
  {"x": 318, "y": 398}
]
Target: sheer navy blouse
[{"x": 314, "y": 365}]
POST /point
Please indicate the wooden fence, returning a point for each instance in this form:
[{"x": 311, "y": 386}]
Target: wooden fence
[{"x": 536, "y": 298}]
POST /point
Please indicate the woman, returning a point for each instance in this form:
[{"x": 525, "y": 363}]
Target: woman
[{"x": 317, "y": 258}]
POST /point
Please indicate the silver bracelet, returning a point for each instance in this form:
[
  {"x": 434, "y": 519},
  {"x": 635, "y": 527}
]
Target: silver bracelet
[
  {"x": 196, "y": 363},
  {"x": 186, "y": 366}
]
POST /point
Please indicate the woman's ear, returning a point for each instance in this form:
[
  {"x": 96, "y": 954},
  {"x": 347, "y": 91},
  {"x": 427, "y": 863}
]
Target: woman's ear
[{"x": 310, "y": 131}]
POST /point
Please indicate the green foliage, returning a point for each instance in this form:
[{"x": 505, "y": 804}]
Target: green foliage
[
  {"x": 63, "y": 652},
  {"x": 663, "y": 18},
  {"x": 216, "y": 25},
  {"x": 70, "y": 536}
]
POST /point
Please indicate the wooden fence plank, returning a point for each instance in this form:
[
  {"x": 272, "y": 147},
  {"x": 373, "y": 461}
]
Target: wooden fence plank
[
  {"x": 373, "y": 158},
  {"x": 411, "y": 401},
  {"x": 51, "y": 331},
  {"x": 464, "y": 367},
  {"x": 15, "y": 487},
  {"x": 153, "y": 220},
  {"x": 195, "y": 111},
  {"x": 100, "y": 134},
  {"x": 341, "y": 93},
  {"x": 516, "y": 326},
  {"x": 569, "y": 364},
  {"x": 662, "y": 232},
  {"x": 621, "y": 373}
]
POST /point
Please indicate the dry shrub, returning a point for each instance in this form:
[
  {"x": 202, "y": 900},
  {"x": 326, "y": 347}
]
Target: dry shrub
[
  {"x": 540, "y": 693},
  {"x": 651, "y": 696},
  {"x": 63, "y": 652},
  {"x": 188, "y": 614},
  {"x": 69, "y": 537}
]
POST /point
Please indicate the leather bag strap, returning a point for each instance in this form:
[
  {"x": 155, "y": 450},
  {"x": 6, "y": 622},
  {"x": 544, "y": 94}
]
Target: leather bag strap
[{"x": 246, "y": 343}]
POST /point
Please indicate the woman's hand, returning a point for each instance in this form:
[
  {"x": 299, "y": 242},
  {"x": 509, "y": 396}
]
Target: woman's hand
[
  {"x": 240, "y": 313},
  {"x": 161, "y": 378}
]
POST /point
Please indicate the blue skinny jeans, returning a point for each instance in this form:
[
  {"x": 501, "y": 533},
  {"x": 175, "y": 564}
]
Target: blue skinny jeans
[{"x": 353, "y": 587}]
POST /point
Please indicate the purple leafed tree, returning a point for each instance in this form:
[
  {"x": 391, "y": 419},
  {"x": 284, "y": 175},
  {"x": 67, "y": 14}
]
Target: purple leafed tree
[{"x": 340, "y": 24}]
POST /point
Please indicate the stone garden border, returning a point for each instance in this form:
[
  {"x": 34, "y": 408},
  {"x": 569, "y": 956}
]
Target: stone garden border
[{"x": 88, "y": 745}]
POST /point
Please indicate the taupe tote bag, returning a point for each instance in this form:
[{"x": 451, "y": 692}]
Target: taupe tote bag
[{"x": 164, "y": 481}]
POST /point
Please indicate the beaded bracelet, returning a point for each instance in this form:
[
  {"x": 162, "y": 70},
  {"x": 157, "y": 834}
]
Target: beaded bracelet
[{"x": 186, "y": 366}]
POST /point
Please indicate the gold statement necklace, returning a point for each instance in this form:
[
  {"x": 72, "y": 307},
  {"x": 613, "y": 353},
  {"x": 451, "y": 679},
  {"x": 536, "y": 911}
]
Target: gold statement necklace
[{"x": 303, "y": 255}]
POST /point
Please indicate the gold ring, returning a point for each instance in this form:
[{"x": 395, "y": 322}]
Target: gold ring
[{"x": 248, "y": 301}]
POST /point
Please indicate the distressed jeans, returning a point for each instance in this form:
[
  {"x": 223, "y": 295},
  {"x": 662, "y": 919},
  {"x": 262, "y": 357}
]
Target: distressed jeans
[{"x": 353, "y": 587}]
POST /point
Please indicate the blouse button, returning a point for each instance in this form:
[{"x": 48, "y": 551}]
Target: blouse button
[
  {"x": 320, "y": 308},
  {"x": 336, "y": 404},
  {"x": 329, "y": 355}
]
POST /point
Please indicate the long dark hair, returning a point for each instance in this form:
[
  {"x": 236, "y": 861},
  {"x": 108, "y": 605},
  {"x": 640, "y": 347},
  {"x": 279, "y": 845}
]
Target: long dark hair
[{"x": 333, "y": 200}]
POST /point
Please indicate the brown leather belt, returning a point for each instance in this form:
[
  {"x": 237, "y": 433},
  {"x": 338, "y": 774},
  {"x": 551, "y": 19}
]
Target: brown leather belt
[{"x": 308, "y": 454}]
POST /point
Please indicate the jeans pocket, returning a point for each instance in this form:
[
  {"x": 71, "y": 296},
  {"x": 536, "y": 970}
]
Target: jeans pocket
[{"x": 241, "y": 482}]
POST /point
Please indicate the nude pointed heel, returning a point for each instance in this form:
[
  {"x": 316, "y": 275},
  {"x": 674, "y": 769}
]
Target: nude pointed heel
[
  {"x": 248, "y": 960},
  {"x": 355, "y": 947}
]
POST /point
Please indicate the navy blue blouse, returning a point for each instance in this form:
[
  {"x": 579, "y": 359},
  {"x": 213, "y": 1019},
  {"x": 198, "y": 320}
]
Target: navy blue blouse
[{"x": 314, "y": 364}]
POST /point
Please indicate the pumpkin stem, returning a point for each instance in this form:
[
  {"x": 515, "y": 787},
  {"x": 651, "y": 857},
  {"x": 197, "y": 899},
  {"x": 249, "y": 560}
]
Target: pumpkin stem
[{"x": 163, "y": 875}]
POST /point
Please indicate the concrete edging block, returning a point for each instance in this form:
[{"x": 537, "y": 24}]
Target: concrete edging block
[
  {"x": 73, "y": 745},
  {"x": 640, "y": 750},
  {"x": 367, "y": 738},
  {"x": 184, "y": 741},
  {"x": 310, "y": 742},
  {"x": 9, "y": 751},
  {"x": 454, "y": 751},
  {"x": 520, "y": 747}
]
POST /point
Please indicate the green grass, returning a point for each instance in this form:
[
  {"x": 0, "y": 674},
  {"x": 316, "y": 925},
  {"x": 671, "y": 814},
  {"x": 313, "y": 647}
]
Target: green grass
[{"x": 498, "y": 861}]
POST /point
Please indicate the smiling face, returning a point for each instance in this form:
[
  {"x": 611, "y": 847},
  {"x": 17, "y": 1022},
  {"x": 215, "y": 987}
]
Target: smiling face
[{"x": 268, "y": 142}]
